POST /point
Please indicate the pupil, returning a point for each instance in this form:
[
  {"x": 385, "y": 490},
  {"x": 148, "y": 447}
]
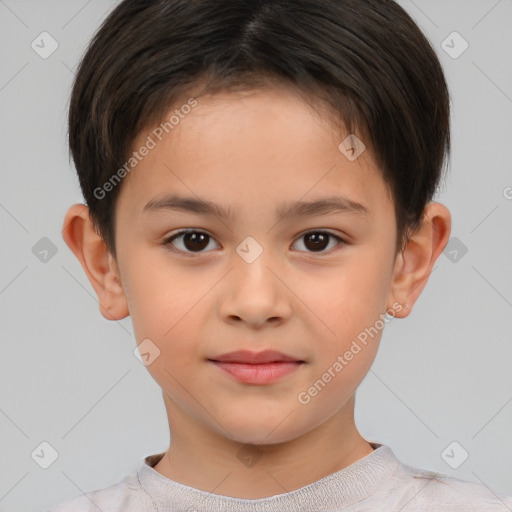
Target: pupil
[
  {"x": 318, "y": 241},
  {"x": 197, "y": 239}
]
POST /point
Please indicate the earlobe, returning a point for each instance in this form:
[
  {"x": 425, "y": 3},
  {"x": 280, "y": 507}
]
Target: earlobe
[
  {"x": 416, "y": 262},
  {"x": 100, "y": 267}
]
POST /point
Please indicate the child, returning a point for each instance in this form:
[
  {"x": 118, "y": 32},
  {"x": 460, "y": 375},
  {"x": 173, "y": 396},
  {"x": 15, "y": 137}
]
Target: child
[{"x": 298, "y": 144}]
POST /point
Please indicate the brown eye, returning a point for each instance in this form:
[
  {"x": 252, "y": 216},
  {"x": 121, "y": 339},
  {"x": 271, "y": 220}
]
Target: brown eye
[
  {"x": 192, "y": 241},
  {"x": 317, "y": 241},
  {"x": 195, "y": 241}
]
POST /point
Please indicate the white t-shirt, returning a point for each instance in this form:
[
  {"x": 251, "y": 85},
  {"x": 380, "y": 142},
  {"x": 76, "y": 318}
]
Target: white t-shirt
[{"x": 377, "y": 482}]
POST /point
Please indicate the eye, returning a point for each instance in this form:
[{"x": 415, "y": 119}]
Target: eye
[
  {"x": 193, "y": 241},
  {"x": 317, "y": 241}
]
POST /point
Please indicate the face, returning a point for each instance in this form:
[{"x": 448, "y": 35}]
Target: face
[{"x": 313, "y": 284}]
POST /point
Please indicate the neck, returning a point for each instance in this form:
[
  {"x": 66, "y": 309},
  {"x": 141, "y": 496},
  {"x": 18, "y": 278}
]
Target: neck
[{"x": 206, "y": 460}]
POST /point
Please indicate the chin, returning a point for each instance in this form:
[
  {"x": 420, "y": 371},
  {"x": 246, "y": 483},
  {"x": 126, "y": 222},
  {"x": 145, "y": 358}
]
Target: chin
[{"x": 264, "y": 430}]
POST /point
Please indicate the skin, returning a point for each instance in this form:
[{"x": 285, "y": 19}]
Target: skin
[{"x": 251, "y": 152}]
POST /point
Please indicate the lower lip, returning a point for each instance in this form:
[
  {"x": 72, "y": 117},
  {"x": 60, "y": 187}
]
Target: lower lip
[{"x": 258, "y": 373}]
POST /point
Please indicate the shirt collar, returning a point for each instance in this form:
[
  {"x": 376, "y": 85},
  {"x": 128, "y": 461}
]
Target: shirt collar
[{"x": 347, "y": 486}]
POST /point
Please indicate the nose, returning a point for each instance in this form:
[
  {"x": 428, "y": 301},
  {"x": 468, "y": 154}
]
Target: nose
[{"x": 254, "y": 294}]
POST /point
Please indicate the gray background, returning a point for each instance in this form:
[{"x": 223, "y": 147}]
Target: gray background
[{"x": 68, "y": 377}]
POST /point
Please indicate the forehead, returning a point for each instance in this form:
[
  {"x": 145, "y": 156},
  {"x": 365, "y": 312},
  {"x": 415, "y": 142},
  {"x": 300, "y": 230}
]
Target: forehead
[{"x": 251, "y": 148}]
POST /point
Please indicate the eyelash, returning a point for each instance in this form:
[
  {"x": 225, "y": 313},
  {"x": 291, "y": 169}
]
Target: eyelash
[{"x": 168, "y": 241}]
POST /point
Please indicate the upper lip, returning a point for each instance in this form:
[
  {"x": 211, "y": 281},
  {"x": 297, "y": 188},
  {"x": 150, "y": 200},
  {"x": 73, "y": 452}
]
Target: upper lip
[{"x": 248, "y": 356}]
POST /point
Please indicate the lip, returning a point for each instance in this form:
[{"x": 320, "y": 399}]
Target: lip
[
  {"x": 247, "y": 356},
  {"x": 257, "y": 367},
  {"x": 262, "y": 373}
]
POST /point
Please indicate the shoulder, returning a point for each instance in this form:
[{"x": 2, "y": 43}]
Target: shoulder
[
  {"x": 416, "y": 490},
  {"x": 127, "y": 495}
]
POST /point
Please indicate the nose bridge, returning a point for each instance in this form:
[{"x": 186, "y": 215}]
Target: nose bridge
[
  {"x": 250, "y": 250},
  {"x": 254, "y": 293},
  {"x": 252, "y": 266}
]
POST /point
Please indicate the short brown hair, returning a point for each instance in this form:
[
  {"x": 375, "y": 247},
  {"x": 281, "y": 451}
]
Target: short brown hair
[{"x": 367, "y": 61}]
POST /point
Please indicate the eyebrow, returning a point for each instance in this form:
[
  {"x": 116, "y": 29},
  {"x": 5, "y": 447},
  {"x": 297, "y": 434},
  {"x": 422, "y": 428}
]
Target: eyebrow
[{"x": 323, "y": 206}]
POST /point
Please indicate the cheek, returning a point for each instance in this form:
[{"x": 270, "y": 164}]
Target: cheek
[
  {"x": 158, "y": 292},
  {"x": 350, "y": 304},
  {"x": 169, "y": 305},
  {"x": 171, "y": 323},
  {"x": 349, "y": 298}
]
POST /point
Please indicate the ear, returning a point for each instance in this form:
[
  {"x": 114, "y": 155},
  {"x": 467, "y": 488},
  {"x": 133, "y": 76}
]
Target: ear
[
  {"x": 414, "y": 264},
  {"x": 99, "y": 265}
]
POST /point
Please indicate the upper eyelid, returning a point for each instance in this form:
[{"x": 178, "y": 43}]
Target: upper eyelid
[
  {"x": 194, "y": 230},
  {"x": 177, "y": 234}
]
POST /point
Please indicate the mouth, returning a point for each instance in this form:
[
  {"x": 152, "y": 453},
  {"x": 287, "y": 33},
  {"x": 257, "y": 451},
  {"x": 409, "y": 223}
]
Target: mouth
[
  {"x": 257, "y": 367},
  {"x": 249, "y": 357}
]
